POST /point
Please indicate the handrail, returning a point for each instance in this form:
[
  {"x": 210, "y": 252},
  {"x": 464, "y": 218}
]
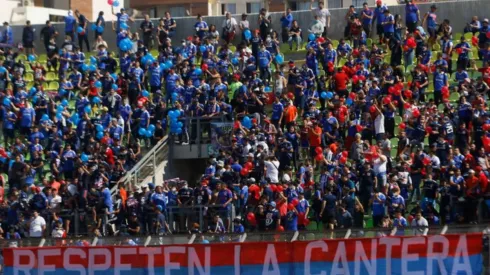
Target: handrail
[{"x": 150, "y": 155}]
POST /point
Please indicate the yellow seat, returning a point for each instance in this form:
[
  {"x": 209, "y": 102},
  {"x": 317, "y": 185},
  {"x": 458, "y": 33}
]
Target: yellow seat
[
  {"x": 468, "y": 35},
  {"x": 22, "y": 57},
  {"x": 335, "y": 43},
  {"x": 29, "y": 77},
  {"x": 436, "y": 47},
  {"x": 409, "y": 69},
  {"x": 54, "y": 86},
  {"x": 50, "y": 76},
  {"x": 457, "y": 36},
  {"x": 232, "y": 48},
  {"x": 369, "y": 42},
  {"x": 45, "y": 85}
]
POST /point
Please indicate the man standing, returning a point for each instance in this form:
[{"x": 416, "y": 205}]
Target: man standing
[
  {"x": 229, "y": 28},
  {"x": 37, "y": 225},
  {"x": 323, "y": 15},
  {"x": 147, "y": 28},
  {"x": 70, "y": 22},
  {"x": 412, "y": 15},
  {"x": 82, "y": 36},
  {"x": 286, "y": 21},
  {"x": 7, "y": 34},
  {"x": 367, "y": 19},
  {"x": 28, "y": 38},
  {"x": 47, "y": 33},
  {"x": 379, "y": 18}
]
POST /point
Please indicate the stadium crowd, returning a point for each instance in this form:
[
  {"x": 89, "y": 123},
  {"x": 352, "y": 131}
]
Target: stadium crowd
[{"x": 391, "y": 131}]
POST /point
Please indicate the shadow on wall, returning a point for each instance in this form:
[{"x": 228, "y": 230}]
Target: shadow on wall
[{"x": 190, "y": 170}]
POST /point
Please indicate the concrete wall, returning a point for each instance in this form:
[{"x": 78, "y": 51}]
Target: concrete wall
[{"x": 459, "y": 13}]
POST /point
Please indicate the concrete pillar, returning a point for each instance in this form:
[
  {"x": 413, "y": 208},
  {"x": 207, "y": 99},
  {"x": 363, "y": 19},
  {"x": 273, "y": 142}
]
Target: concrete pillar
[{"x": 346, "y": 3}]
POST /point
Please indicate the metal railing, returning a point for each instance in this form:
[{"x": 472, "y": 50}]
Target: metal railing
[{"x": 146, "y": 166}]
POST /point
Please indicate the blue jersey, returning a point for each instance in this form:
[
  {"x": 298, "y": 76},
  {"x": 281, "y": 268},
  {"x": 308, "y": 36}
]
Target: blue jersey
[
  {"x": 28, "y": 115},
  {"x": 291, "y": 221},
  {"x": 69, "y": 23},
  {"x": 199, "y": 26},
  {"x": 277, "y": 110},
  {"x": 264, "y": 58},
  {"x": 121, "y": 18},
  {"x": 144, "y": 118},
  {"x": 366, "y": 20},
  {"x": 440, "y": 80},
  {"x": 379, "y": 205},
  {"x": 389, "y": 27},
  {"x": 379, "y": 14},
  {"x": 155, "y": 76},
  {"x": 411, "y": 13},
  {"x": 330, "y": 55},
  {"x": 171, "y": 81}
]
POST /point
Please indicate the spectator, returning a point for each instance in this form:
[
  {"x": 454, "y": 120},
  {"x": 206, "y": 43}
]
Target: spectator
[
  {"x": 229, "y": 27},
  {"x": 37, "y": 225},
  {"x": 70, "y": 23},
  {"x": 28, "y": 38},
  {"x": 412, "y": 16},
  {"x": 367, "y": 16},
  {"x": 294, "y": 35},
  {"x": 286, "y": 23},
  {"x": 82, "y": 36},
  {"x": 323, "y": 15},
  {"x": 100, "y": 23},
  {"x": 146, "y": 28}
]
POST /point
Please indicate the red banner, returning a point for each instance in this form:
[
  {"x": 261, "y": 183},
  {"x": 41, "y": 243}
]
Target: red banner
[{"x": 440, "y": 254}]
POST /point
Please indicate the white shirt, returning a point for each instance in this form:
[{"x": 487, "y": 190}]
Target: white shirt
[
  {"x": 379, "y": 166},
  {"x": 55, "y": 202},
  {"x": 36, "y": 228},
  {"x": 379, "y": 124},
  {"x": 419, "y": 226},
  {"x": 322, "y": 15},
  {"x": 286, "y": 177},
  {"x": 272, "y": 170},
  {"x": 229, "y": 24}
]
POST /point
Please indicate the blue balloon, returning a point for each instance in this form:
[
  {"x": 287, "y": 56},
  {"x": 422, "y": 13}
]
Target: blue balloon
[
  {"x": 79, "y": 29},
  {"x": 174, "y": 96},
  {"x": 45, "y": 117},
  {"x": 349, "y": 101},
  {"x": 248, "y": 34},
  {"x": 279, "y": 59},
  {"x": 60, "y": 108},
  {"x": 123, "y": 26},
  {"x": 329, "y": 95},
  {"x": 6, "y": 101},
  {"x": 93, "y": 60},
  {"x": 323, "y": 95},
  {"x": 2, "y": 69},
  {"x": 115, "y": 3},
  {"x": 311, "y": 37},
  {"x": 64, "y": 102},
  {"x": 93, "y": 27},
  {"x": 179, "y": 124},
  {"x": 235, "y": 61},
  {"x": 32, "y": 58},
  {"x": 96, "y": 100},
  {"x": 100, "y": 29},
  {"x": 87, "y": 109},
  {"x": 142, "y": 132},
  {"x": 62, "y": 92},
  {"x": 198, "y": 71},
  {"x": 84, "y": 157},
  {"x": 98, "y": 84},
  {"x": 203, "y": 48},
  {"x": 59, "y": 116},
  {"x": 267, "y": 89},
  {"x": 75, "y": 117},
  {"x": 169, "y": 64},
  {"x": 84, "y": 67},
  {"x": 34, "y": 99},
  {"x": 115, "y": 87},
  {"x": 114, "y": 76},
  {"x": 145, "y": 93},
  {"x": 149, "y": 133},
  {"x": 185, "y": 55},
  {"x": 178, "y": 131},
  {"x": 99, "y": 135},
  {"x": 99, "y": 128},
  {"x": 171, "y": 114},
  {"x": 163, "y": 66},
  {"x": 33, "y": 90},
  {"x": 177, "y": 113},
  {"x": 151, "y": 127},
  {"x": 92, "y": 68}
]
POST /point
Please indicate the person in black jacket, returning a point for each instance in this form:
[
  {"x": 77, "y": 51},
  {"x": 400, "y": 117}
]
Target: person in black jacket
[
  {"x": 28, "y": 38},
  {"x": 48, "y": 32}
]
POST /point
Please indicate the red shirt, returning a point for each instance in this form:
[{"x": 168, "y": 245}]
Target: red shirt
[
  {"x": 315, "y": 140},
  {"x": 109, "y": 156},
  {"x": 340, "y": 80}
]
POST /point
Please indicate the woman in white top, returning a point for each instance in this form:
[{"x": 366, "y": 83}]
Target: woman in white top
[
  {"x": 272, "y": 169},
  {"x": 379, "y": 123},
  {"x": 280, "y": 84},
  {"x": 380, "y": 168},
  {"x": 244, "y": 25}
]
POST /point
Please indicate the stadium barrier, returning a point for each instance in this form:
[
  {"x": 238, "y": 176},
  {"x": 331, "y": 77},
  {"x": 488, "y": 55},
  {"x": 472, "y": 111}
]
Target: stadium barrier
[{"x": 431, "y": 254}]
